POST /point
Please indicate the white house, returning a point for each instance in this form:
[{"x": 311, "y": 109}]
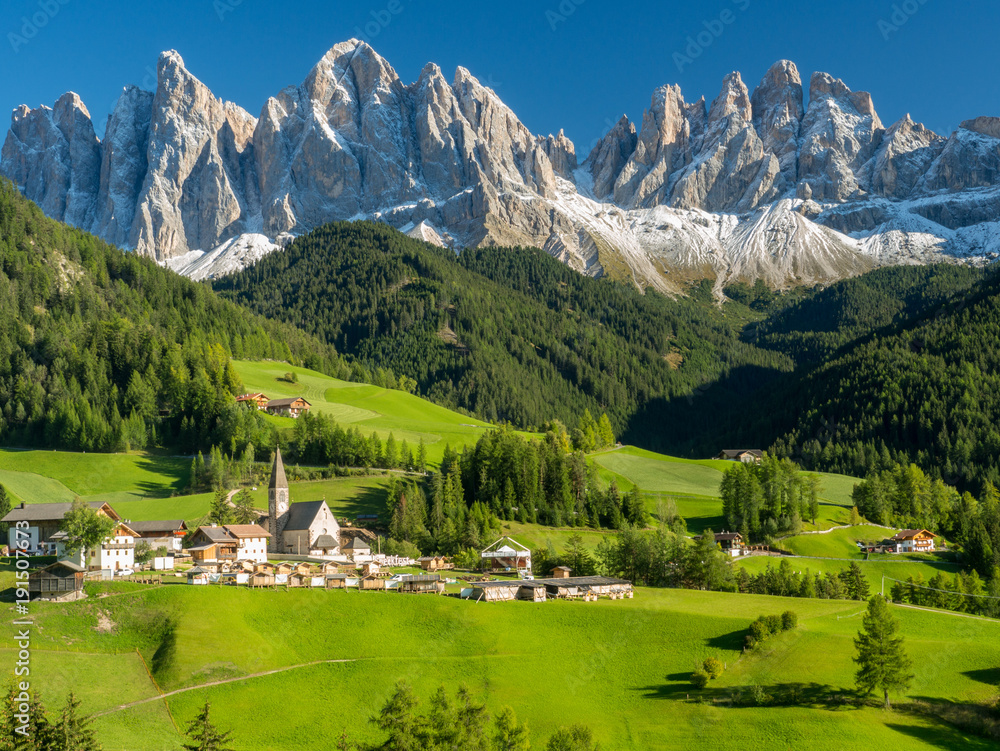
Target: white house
[
  {"x": 913, "y": 541},
  {"x": 161, "y": 534},
  {"x": 252, "y": 541},
  {"x": 40, "y": 523},
  {"x": 115, "y": 553}
]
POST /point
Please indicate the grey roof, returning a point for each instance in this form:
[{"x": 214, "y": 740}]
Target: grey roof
[
  {"x": 286, "y": 402},
  {"x": 357, "y": 543},
  {"x": 278, "y": 479},
  {"x": 302, "y": 515},
  {"x": 64, "y": 564},
  {"x": 216, "y": 534},
  {"x": 174, "y": 525},
  {"x": 198, "y": 570},
  {"x": 325, "y": 541},
  {"x": 43, "y": 512},
  {"x": 419, "y": 577},
  {"x": 733, "y": 453},
  {"x": 581, "y": 581}
]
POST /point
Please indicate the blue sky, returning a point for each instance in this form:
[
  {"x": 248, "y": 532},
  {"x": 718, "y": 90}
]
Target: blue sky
[{"x": 572, "y": 64}]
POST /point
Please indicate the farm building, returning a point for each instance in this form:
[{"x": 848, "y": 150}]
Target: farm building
[
  {"x": 198, "y": 575},
  {"x": 372, "y": 584},
  {"x": 336, "y": 581},
  {"x": 912, "y": 541},
  {"x": 284, "y": 569},
  {"x": 251, "y": 541},
  {"x": 507, "y": 555},
  {"x": 747, "y": 456},
  {"x": 161, "y": 534},
  {"x": 44, "y": 521},
  {"x": 61, "y": 581},
  {"x": 298, "y": 528},
  {"x": 117, "y": 552},
  {"x": 416, "y": 584},
  {"x": 288, "y": 407},
  {"x": 357, "y": 549},
  {"x": 731, "y": 543},
  {"x": 212, "y": 545},
  {"x": 434, "y": 563},
  {"x": 561, "y": 572},
  {"x": 260, "y": 579},
  {"x": 540, "y": 590},
  {"x": 257, "y": 401}
]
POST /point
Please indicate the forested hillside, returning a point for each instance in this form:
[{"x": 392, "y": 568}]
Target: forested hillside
[
  {"x": 508, "y": 334},
  {"x": 925, "y": 389},
  {"x": 102, "y": 350}
]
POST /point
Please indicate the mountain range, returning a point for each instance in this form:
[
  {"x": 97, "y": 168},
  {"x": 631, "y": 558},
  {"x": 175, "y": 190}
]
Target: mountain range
[{"x": 782, "y": 184}]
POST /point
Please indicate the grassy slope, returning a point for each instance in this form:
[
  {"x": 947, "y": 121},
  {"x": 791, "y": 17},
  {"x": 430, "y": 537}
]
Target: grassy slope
[
  {"x": 619, "y": 667},
  {"x": 370, "y": 408}
]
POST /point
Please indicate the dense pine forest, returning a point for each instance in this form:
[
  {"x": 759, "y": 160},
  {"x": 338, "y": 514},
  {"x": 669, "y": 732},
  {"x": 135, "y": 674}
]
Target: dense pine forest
[
  {"x": 508, "y": 334},
  {"x": 106, "y": 351},
  {"x": 102, "y": 350}
]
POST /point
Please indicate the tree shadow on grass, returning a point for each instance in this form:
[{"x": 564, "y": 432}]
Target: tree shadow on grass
[
  {"x": 814, "y": 695},
  {"x": 732, "y": 642},
  {"x": 989, "y": 676},
  {"x": 943, "y": 735}
]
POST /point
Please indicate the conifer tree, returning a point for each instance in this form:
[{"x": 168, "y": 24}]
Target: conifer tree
[
  {"x": 882, "y": 662},
  {"x": 73, "y": 731},
  {"x": 204, "y": 736}
]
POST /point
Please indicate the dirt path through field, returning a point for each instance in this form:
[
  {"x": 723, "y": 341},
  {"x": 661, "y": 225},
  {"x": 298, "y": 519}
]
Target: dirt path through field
[{"x": 210, "y": 684}]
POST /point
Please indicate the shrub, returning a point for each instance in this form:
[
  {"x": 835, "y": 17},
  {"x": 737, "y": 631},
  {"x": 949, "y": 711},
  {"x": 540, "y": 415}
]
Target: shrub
[
  {"x": 713, "y": 666},
  {"x": 699, "y": 679},
  {"x": 789, "y": 620},
  {"x": 774, "y": 624},
  {"x": 758, "y": 696}
]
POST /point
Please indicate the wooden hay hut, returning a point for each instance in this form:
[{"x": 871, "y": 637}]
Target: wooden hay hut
[
  {"x": 336, "y": 581},
  {"x": 419, "y": 584},
  {"x": 61, "y": 582},
  {"x": 531, "y": 591},
  {"x": 299, "y": 580},
  {"x": 264, "y": 568},
  {"x": 303, "y": 568},
  {"x": 372, "y": 584},
  {"x": 284, "y": 569},
  {"x": 260, "y": 579}
]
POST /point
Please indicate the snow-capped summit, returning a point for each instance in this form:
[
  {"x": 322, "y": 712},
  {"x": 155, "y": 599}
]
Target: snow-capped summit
[{"x": 764, "y": 185}]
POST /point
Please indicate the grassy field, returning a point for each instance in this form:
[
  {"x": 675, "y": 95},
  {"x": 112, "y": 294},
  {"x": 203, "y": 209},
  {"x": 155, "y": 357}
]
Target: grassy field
[
  {"x": 619, "y": 667},
  {"x": 840, "y": 543},
  {"x": 370, "y": 408}
]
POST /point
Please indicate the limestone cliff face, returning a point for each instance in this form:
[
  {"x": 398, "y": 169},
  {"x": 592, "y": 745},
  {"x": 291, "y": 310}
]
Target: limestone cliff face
[{"x": 751, "y": 186}]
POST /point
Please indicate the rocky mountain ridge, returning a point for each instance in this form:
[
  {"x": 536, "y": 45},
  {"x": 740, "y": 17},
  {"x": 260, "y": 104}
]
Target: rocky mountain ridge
[{"x": 754, "y": 185}]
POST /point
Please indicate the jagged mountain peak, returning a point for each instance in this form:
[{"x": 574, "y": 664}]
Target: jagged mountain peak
[{"x": 694, "y": 189}]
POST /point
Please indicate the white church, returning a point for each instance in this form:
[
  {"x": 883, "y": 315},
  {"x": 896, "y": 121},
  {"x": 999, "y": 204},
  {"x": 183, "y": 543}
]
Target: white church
[{"x": 301, "y": 528}]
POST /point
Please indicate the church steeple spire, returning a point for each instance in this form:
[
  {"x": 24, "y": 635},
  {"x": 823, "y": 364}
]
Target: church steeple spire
[
  {"x": 277, "y": 504},
  {"x": 278, "y": 479}
]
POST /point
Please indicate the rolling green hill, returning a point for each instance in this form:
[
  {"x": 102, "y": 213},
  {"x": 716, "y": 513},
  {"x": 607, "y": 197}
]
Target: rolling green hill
[{"x": 621, "y": 668}]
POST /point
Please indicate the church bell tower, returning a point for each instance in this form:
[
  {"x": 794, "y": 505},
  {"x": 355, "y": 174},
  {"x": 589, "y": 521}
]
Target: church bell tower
[{"x": 277, "y": 503}]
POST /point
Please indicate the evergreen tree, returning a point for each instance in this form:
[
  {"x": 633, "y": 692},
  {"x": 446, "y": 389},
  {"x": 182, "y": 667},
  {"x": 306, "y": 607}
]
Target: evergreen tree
[
  {"x": 882, "y": 662},
  {"x": 855, "y": 582},
  {"x": 398, "y": 718},
  {"x": 575, "y": 738},
  {"x": 509, "y": 734},
  {"x": 220, "y": 512},
  {"x": 5, "y": 502},
  {"x": 72, "y": 731},
  {"x": 244, "y": 511},
  {"x": 204, "y": 736}
]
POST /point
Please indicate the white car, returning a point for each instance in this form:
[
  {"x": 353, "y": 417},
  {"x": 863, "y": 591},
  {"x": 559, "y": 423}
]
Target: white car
[{"x": 124, "y": 572}]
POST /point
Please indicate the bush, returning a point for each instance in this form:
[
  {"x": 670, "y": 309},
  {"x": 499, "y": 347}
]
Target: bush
[
  {"x": 699, "y": 679},
  {"x": 789, "y": 620},
  {"x": 774, "y": 624},
  {"x": 713, "y": 666},
  {"x": 758, "y": 696}
]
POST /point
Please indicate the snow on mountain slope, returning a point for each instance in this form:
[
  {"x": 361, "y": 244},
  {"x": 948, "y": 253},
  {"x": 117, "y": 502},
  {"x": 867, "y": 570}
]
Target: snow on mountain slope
[{"x": 763, "y": 186}]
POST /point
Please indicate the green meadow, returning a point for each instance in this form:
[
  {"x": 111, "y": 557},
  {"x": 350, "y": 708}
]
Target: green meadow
[
  {"x": 621, "y": 668},
  {"x": 369, "y": 408}
]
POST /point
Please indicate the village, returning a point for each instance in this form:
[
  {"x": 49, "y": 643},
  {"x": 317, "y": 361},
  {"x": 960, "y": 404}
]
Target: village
[{"x": 293, "y": 545}]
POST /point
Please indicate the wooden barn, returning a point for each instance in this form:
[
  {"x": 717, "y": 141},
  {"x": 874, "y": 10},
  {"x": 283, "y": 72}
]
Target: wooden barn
[
  {"x": 284, "y": 569},
  {"x": 372, "y": 584},
  {"x": 531, "y": 591},
  {"x": 336, "y": 581},
  {"x": 263, "y": 568},
  {"x": 303, "y": 568},
  {"x": 260, "y": 579},
  {"x": 288, "y": 407},
  {"x": 419, "y": 584},
  {"x": 59, "y": 582},
  {"x": 586, "y": 588},
  {"x": 503, "y": 591},
  {"x": 300, "y": 580}
]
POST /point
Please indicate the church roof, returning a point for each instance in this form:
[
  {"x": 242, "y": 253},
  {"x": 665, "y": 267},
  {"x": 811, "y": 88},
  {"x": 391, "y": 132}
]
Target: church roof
[
  {"x": 278, "y": 479},
  {"x": 357, "y": 544},
  {"x": 302, "y": 515}
]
